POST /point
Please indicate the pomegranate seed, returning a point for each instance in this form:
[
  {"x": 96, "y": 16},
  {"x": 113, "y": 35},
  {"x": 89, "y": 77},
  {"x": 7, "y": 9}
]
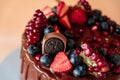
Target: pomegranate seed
[
  {"x": 111, "y": 51},
  {"x": 77, "y": 51},
  {"x": 84, "y": 46},
  {"x": 37, "y": 11},
  {"x": 101, "y": 63},
  {"x": 105, "y": 68},
  {"x": 90, "y": 69},
  {"x": 105, "y": 44},
  {"x": 88, "y": 39},
  {"x": 96, "y": 45},
  {"x": 37, "y": 57},
  {"x": 36, "y": 38},
  {"x": 35, "y": 16},
  {"x": 101, "y": 74},
  {"x": 117, "y": 69},
  {"x": 111, "y": 29},
  {"x": 105, "y": 33},
  {"x": 96, "y": 69},
  {"x": 94, "y": 56},
  {"x": 97, "y": 38},
  {"x": 115, "y": 43},
  {"x": 94, "y": 28},
  {"x": 87, "y": 52}
]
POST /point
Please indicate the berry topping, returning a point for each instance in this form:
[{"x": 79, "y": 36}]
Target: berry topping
[
  {"x": 37, "y": 57},
  {"x": 65, "y": 22},
  {"x": 53, "y": 19},
  {"x": 91, "y": 21},
  {"x": 61, "y": 63},
  {"x": 47, "y": 11},
  {"x": 46, "y": 59},
  {"x": 54, "y": 9},
  {"x": 117, "y": 69},
  {"x": 77, "y": 16},
  {"x": 34, "y": 27},
  {"x": 115, "y": 58},
  {"x": 68, "y": 34},
  {"x": 70, "y": 44},
  {"x": 117, "y": 29},
  {"x": 75, "y": 59},
  {"x": 62, "y": 9},
  {"x": 97, "y": 14},
  {"x": 104, "y": 26},
  {"x": 33, "y": 49},
  {"x": 48, "y": 29},
  {"x": 80, "y": 71}
]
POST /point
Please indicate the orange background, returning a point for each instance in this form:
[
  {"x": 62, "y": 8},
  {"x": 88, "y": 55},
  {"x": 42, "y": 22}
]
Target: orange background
[{"x": 14, "y": 15}]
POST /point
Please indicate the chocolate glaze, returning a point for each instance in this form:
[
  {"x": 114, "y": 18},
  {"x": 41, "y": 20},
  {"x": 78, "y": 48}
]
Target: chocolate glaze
[{"x": 33, "y": 70}]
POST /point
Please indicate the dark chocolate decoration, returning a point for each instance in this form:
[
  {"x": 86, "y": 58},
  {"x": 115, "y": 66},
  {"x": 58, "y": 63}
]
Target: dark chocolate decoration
[{"x": 53, "y": 45}]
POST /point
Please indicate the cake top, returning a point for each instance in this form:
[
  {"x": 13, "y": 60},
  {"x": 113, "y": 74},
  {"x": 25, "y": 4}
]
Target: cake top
[{"x": 74, "y": 39}]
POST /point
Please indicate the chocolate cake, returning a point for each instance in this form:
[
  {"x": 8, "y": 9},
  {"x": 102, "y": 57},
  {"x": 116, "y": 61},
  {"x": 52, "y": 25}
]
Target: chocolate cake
[{"x": 70, "y": 42}]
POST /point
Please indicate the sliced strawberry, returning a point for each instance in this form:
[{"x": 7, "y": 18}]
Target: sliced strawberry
[
  {"x": 77, "y": 16},
  {"x": 47, "y": 11},
  {"x": 62, "y": 9},
  {"x": 56, "y": 29},
  {"x": 61, "y": 63},
  {"x": 65, "y": 22}
]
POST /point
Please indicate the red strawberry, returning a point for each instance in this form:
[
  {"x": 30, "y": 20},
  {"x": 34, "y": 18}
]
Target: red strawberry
[
  {"x": 62, "y": 9},
  {"x": 65, "y": 22},
  {"x": 47, "y": 11},
  {"x": 77, "y": 16},
  {"x": 61, "y": 63}
]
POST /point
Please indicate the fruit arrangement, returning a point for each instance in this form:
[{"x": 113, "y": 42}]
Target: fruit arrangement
[{"x": 59, "y": 39}]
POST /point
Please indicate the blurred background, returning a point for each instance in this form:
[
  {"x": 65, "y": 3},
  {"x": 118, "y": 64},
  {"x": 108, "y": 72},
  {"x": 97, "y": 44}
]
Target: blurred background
[{"x": 14, "y": 15}]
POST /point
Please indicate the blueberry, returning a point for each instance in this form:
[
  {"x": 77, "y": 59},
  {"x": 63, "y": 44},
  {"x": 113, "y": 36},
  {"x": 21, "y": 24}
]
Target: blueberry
[
  {"x": 70, "y": 44},
  {"x": 53, "y": 19},
  {"x": 68, "y": 52},
  {"x": 75, "y": 59},
  {"x": 111, "y": 23},
  {"x": 68, "y": 34},
  {"x": 102, "y": 18},
  {"x": 48, "y": 29},
  {"x": 115, "y": 59},
  {"x": 91, "y": 21},
  {"x": 54, "y": 9},
  {"x": 104, "y": 26},
  {"x": 33, "y": 50},
  {"x": 79, "y": 71},
  {"x": 117, "y": 29},
  {"x": 46, "y": 59},
  {"x": 96, "y": 14}
]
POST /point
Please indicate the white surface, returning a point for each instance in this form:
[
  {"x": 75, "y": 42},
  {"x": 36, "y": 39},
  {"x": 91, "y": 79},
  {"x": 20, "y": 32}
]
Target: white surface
[{"x": 10, "y": 67}]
